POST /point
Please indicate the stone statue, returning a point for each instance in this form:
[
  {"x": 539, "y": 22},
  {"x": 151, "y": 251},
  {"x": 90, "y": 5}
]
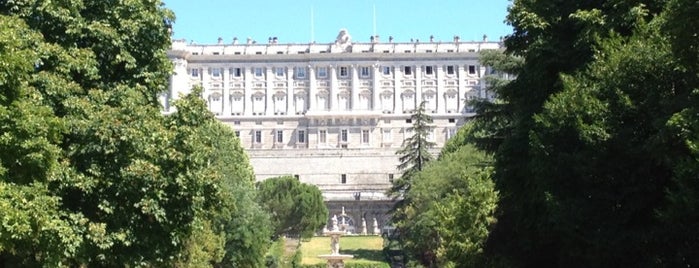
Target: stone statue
[
  {"x": 376, "y": 228},
  {"x": 343, "y": 41},
  {"x": 334, "y": 221},
  {"x": 364, "y": 232},
  {"x": 335, "y": 244}
]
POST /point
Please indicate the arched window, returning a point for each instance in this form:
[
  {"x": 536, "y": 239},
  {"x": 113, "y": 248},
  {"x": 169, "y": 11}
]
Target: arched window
[
  {"x": 237, "y": 103},
  {"x": 258, "y": 103},
  {"x": 387, "y": 101},
  {"x": 343, "y": 102},
  {"x": 215, "y": 103},
  {"x": 408, "y": 101},
  {"x": 279, "y": 102},
  {"x": 300, "y": 102},
  {"x": 322, "y": 100}
]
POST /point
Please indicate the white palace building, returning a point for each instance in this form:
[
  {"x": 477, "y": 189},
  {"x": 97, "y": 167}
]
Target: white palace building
[{"x": 331, "y": 114}]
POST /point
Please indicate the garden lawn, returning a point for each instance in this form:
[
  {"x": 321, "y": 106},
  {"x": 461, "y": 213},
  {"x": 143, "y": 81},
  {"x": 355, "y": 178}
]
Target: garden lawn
[{"x": 366, "y": 250}]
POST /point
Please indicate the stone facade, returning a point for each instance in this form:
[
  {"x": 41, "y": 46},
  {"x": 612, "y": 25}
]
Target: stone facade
[{"x": 331, "y": 114}]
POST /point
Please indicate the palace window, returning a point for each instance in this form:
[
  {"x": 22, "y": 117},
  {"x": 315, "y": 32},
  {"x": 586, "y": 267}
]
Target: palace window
[
  {"x": 195, "y": 72},
  {"x": 344, "y": 135},
  {"x": 364, "y": 72},
  {"x": 450, "y": 70},
  {"x": 301, "y": 136},
  {"x": 258, "y": 72},
  {"x": 279, "y": 71},
  {"x": 236, "y": 72},
  {"x": 258, "y": 136},
  {"x": 300, "y": 72},
  {"x": 472, "y": 69},
  {"x": 386, "y": 70},
  {"x": 365, "y": 136},
  {"x": 322, "y": 136},
  {"x": 429, "y": 70},
  {"x": 343, "y": 178},
  {"x": 322, "y": 72},
  {"x": 216, "y": 72},
  {"x": 407, "y": 70},
  {"x": 279, "y": 136},
  {"x": 343, "y": 72},
  {"x": 387, "y": 137}
]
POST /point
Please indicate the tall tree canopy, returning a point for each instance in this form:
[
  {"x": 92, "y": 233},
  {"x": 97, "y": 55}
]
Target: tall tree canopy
[
  {"x": 450, "y": 209},
  {"x": 294, "y": 207},
  {"x": 594, "y": 139},
  {"x": 414, "y": 154},
  {"x": 234, "y": 230},
  {"x": 90, "y": 172}
]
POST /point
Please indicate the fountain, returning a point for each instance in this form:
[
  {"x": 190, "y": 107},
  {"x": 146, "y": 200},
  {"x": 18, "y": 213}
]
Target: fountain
[{"x": 335, "y": 259}]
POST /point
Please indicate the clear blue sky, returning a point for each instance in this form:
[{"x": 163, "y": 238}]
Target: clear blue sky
[{"x": 203, "y": 21}]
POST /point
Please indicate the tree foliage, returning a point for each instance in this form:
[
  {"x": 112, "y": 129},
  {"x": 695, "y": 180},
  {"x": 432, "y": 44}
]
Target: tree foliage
[
  {"x": 294, "y": 207},
  {"x": 593, "y": 143},
  {"x": 91, "y": 174},
  {"x": 450, "y": 210},
  {"x": 414, "y": 154},
  {"x": 234, "y": 231}
]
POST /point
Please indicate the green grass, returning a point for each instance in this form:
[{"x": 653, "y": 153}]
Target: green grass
[{"x": 366, "y": 250}]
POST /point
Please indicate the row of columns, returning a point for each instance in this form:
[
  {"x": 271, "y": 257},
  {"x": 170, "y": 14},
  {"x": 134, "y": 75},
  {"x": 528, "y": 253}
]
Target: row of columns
[{"x": 333, "y": 88}]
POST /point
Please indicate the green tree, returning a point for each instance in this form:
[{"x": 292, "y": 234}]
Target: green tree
[
  {"x": 294, "y": 207},
  {"x": 681, "y": 213},
  {"x": 234, "y": 231},
  {"x": 413, "y": 157},
  {"x": 414, "y": 154},
  {"x": 118, "y": 184},
  {"x": 33, "y": 230},
  {"x": 589, "y": 162},
  {"x": 450, "y": 209}
]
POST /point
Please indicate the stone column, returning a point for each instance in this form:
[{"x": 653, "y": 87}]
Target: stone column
[
  {"x": 205, "y": 85},
  {"x": 441, "y": 99},
  {"x": 247, "y": 76},
  {"x": 269, "y": 91},
  {"x": 397, "y": 91},
  {"x": 225, "y": 72},
  {"x": 481, "y": 81},
  {"x": 376, "y": 89},
  {"x": 312, "y": 88},
  {"x": 355, "y": 87},
  {"x": 290, "y": 107},
  {"x": 418, "y": 85},
  {"x": 333, "y": 88},
  {"x": 205, "y": 79},
  {"x": 462, "y": 83}
]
